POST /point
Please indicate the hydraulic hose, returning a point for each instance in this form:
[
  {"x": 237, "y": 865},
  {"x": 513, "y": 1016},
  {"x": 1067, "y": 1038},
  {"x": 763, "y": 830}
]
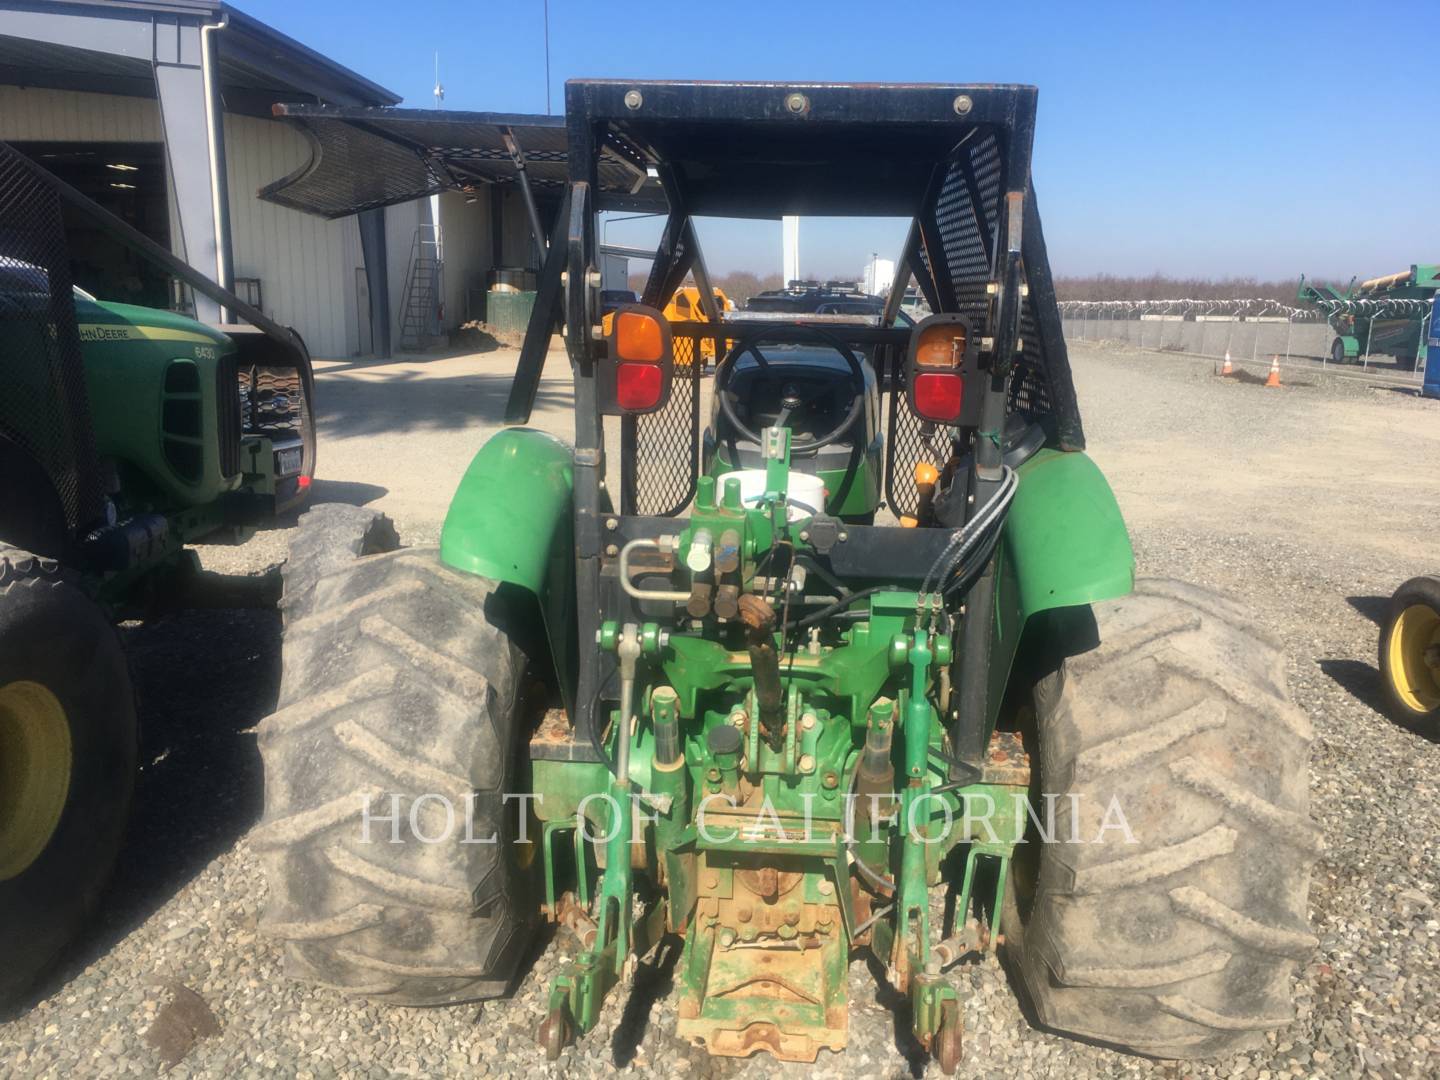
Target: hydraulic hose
[
  {"x": 973, "y": 531},
  {"x": 831, "y": 609}
]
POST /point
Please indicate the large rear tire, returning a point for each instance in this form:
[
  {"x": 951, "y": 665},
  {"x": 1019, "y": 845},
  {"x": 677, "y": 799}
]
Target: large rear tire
[
  {"x": 403, "y": 702},
  {"x": 67, "y": 762},
  {"x": 1183, "y": 943}
]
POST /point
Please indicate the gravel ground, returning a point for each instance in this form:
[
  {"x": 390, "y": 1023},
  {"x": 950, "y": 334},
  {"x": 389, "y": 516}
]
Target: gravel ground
[{"x": 1310, "y": 504}]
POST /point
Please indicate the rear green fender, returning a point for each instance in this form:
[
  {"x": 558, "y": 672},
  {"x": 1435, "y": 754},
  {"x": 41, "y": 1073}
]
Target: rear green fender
[
  {"x": 1065, "y": 545},
  {"x": 1065, "y": 537},
  {"x": 511, "y": 521}
]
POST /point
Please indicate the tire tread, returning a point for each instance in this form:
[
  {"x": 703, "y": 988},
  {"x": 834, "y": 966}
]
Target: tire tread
[
  {"x": 1183, "y": 944},
  {"x": 395, "y": 684}
]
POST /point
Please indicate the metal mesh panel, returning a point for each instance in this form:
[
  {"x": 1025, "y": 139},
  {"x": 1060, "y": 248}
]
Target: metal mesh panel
[
  {"x": 967, "y": 210},
  {"x": 909, "y": 441},
  {"x": 663, "y": 462},
  {"x": 966, "y": 220},
  {"x": 271, "y": 400},
  {"x": 1029, "y": 390},
  {"x": 965, "y": 214},
  {"x": 43, "y": 406}
]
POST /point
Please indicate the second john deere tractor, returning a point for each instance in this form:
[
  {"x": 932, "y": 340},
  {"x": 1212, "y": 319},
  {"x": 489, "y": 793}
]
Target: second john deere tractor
[{"x": 707, "y": 687}]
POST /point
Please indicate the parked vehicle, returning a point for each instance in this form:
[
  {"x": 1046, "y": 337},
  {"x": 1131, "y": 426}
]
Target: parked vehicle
[
  {"x": 126, "y": 434},
  {"x": 749, "y": 716}
]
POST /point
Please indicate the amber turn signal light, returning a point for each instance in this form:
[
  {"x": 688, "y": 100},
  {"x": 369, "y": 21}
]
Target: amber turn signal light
[
  {"x": 639, "y": 337},
  {"x": 941, "y": 346}
]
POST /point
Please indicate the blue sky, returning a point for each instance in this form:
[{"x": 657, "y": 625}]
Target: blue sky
[{"x": 1213, "y": 139}]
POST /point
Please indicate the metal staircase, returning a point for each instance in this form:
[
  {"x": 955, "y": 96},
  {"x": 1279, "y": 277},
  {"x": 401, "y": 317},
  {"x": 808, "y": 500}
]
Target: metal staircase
[{"x": 421, "y": 317}]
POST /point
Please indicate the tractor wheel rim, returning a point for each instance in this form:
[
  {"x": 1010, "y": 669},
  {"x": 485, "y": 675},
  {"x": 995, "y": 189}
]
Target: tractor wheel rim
[
  {"x": 35, "y": 767},
  {"x": 1415, "y": 634}
]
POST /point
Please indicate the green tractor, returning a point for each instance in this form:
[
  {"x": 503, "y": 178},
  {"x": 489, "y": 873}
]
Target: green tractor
[
  {"x": 704, "y": 686},
  {"x": 125, "y": 434}
]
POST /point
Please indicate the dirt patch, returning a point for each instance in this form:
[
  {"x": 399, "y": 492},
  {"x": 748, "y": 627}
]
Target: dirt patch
[
  {"x": 181, "y": 1022},
  {"x": 479, "y": 337}
]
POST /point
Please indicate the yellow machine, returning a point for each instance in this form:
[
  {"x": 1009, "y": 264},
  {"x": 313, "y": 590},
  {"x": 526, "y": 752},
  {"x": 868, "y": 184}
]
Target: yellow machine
[{"x": 685, "y": 306}]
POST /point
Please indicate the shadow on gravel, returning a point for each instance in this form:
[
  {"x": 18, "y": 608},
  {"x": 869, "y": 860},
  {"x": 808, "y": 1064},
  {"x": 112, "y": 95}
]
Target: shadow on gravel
[
  {"x": 653, "y": 981},
  {"x": 201, "y": 679},
  {"x": 401, "y": 401},
  {"x": 898, "y": 1004},
  {"x": 349, "y": 492},
  {"x": 1362, "y": 682},
  {"x": 1358, "y": 679},
  {"x": 1372, "y": 607}
]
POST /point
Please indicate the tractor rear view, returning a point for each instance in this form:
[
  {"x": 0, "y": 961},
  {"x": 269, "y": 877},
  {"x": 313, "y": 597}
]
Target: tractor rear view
[{"x": 701, "y": 689}]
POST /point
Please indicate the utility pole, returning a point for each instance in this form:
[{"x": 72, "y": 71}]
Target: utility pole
[
  {"x": 789, "y": 249},
  {"x": 546, "y": 4}
]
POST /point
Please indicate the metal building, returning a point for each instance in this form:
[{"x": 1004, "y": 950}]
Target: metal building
[{"x": 163, "y": 111}]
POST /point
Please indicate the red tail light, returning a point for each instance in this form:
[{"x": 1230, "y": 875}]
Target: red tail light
[
  {"x": 939, "y": 397},
  {"x": 942, "y": 356},
  {"x": 636, "y": 378},
  {"x": 638, "y": 386}
]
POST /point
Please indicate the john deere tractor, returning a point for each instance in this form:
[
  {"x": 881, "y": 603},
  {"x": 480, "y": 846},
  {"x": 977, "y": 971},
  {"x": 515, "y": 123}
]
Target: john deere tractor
[
  {"x": 125, "y": 434},
  {"x": 708, "y": 686}
]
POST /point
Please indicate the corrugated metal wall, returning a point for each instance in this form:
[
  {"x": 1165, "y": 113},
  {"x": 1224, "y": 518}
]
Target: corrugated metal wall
[
  {"x": 519, "y": 248},
  {"x": 54, "y": 115},
  {"x": 467, "y": 250},
  {"x": 305, "y": 276},
  {"x": 469, "y": 246},
  {"x": 65, "y": 116},
  {"x": 306, "y": 265}
]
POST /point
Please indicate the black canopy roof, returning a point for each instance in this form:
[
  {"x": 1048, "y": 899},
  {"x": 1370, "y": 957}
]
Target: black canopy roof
[
  {"x": 771, "y": 149},
  {"x": 370, "y": 157}
]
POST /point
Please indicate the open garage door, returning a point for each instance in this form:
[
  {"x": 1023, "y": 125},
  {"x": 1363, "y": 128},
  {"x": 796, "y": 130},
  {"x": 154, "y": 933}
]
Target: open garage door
[{"x": 127, "y": 179}]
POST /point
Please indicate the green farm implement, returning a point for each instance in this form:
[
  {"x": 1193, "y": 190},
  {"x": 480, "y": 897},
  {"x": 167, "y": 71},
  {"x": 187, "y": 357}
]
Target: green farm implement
[
  {"x": 1387, "y": 315},
  {"x": 689, "y": 678},
  {"x": 125, "y": 434}
]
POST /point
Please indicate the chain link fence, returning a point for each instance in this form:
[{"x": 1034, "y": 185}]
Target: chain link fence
[{"x": 1247, "y": 330}]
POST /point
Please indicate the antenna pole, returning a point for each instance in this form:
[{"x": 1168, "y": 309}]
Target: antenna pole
[{"x": 546, "y": 4}]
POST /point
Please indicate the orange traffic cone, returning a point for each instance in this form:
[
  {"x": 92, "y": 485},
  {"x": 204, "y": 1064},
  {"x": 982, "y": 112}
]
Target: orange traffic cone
[
  {"x": 1274, "y": 378},
  {"x": 1228, "y": 368}
]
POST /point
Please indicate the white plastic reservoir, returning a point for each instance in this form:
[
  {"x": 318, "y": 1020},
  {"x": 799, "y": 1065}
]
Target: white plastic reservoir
[{"x": 805, "y": 498}]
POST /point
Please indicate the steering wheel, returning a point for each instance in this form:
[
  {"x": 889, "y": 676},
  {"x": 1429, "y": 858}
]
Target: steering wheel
[{"x": 790, "y": 400}]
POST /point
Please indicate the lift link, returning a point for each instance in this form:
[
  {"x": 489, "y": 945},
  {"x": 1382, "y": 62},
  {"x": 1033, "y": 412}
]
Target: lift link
[
  {"x": 577, "y": 994},
  {"x": 903, "y": 941}
]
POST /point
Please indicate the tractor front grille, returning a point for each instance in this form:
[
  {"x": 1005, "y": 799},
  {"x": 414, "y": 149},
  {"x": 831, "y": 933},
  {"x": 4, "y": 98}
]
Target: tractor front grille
[
  {"x": 227, "y": 414},
  {"x": 181, "y": 420},
  {"x": 272, "y": 401}
]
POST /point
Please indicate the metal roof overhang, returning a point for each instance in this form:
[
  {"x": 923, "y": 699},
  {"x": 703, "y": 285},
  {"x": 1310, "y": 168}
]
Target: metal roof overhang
[
  {"x": 257, "y": 67},
  {"x": 364, "y": 158}
]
